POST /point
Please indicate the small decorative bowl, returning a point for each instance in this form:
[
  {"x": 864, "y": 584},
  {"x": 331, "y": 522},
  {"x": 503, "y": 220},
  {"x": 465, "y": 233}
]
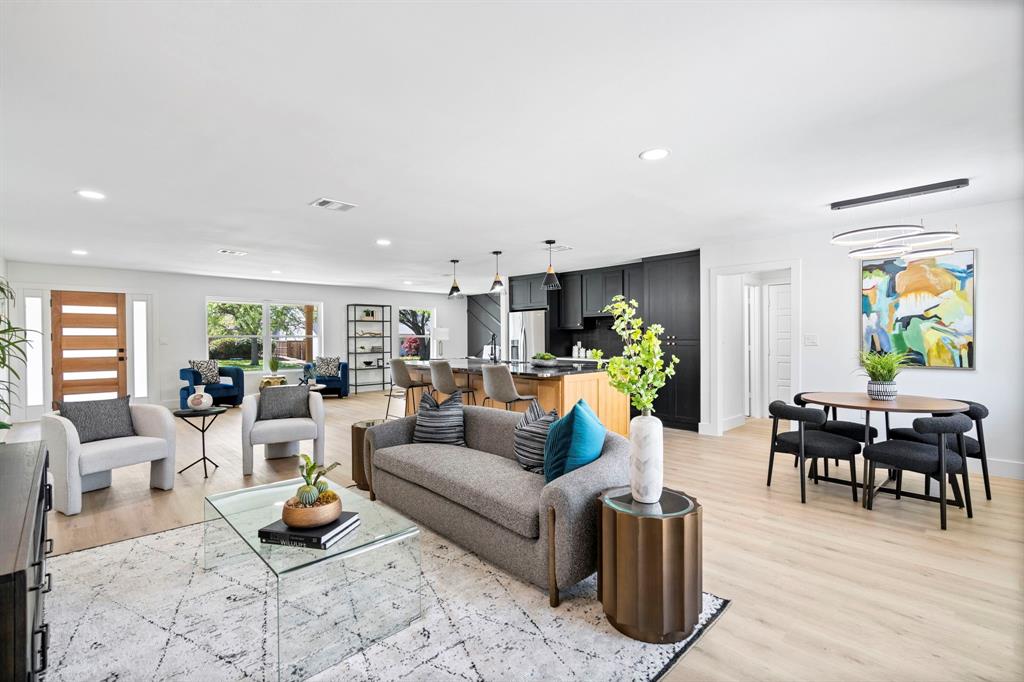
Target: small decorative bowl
[
  {"x": 309, "y": 517},
  {"x": 544, "y": 363},
  {"x": 369, "y": 363}
]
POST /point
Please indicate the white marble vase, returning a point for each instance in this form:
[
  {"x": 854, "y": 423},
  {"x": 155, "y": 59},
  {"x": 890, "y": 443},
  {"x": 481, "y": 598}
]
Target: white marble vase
[
  {"x": 646, "y": 458},
  {"x": 200, "y": 400}
]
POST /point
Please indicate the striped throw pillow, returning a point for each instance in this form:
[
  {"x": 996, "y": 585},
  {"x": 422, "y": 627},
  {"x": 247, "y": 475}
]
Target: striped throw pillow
[
  {"x": 530, "y": 435},
  {"x": 440, "y": 423}
]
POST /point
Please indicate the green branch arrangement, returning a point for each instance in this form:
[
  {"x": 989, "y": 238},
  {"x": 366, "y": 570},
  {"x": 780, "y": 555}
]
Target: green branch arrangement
[
  {"x": 13, "y": 341},
  {"x": 641, "y": 370}
]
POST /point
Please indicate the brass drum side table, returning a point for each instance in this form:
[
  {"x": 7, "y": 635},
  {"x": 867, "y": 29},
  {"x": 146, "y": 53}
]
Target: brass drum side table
[
  {"x": 358, "y": 437},
  {"x": 649, "y": 574}
]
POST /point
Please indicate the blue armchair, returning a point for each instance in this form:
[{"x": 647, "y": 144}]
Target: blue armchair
[
  {"x": 223, "y": 394},
  {"x": 335, "y": 384}
]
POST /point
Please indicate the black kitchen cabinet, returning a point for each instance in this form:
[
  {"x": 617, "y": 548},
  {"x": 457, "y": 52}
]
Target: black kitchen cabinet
[
  {"x": 570, "y": 310},
  {"x": 599, "y": 287},
  {"x": 672, "y": 299},
  {"x": 633, "y": 286},
  {"x": 527, "y": 293}
]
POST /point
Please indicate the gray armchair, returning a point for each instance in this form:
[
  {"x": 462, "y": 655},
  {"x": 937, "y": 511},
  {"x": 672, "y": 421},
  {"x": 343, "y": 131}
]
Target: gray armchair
[
  {"x": 82, "y": 467},
  {"x": 281, "y": 436},
  {"x": 482, "y": 499}
]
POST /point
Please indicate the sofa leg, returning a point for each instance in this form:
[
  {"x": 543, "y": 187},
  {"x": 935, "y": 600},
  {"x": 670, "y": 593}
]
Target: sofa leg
[{"x": 553, "y": 597}]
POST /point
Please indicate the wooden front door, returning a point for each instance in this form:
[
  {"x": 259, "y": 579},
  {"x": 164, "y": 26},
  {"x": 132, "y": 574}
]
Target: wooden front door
[{"x": 88, "y": 345}]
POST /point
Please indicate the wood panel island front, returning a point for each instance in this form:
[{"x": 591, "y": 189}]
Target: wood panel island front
[{"x": 556, "y": 388}]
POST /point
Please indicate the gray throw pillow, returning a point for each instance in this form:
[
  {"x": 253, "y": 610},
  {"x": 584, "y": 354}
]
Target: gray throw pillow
[
  {"x": 99, "y": 419},
  {"x": 530, "y": 436},
  {"x": 209, "y": 370},
  {"x": 440, "y": 423},
  {"x": 283, "y": 402}
]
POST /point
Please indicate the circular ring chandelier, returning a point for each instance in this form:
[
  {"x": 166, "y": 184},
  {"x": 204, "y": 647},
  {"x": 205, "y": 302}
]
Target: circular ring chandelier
[
  {"x": 879, "y": 251},
  {"x": 872, "y": 235},
  {"x": 934, "y": 252},
  {"x": 924, "y": 238}
]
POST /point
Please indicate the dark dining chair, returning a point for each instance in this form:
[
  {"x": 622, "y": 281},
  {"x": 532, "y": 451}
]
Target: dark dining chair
[
  {"x": 809, "y": 443},
  {"x": 840, "y": 427},
  {"x": 974, "y": 448},
  {"x": 939, "y": 460}
]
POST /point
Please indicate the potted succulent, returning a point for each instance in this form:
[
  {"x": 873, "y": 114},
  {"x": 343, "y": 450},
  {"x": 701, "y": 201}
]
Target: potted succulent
[
  {"x": 13, "y": 341},
  {"x": 314, "y": 503},
  {"x": 881, "y": 370},
  {"x": 369, "y": 314},
  {"x": 640, "y": 372}
]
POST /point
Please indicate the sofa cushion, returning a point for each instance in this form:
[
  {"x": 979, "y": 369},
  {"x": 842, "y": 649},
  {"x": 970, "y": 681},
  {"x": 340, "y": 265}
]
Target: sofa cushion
[
  {"x": 99, "y": 419},
  {"x": 282, "y": 430},
  {"x": 440, "y": 423},
  {"x": 103, "y": 455},
  {"x": 530, "y": 436},
  {"x": 283, "y": 402},
  {"x": 493, "y": 486},
  {"x": 218, "y": 390},
  {"x": 209, "y": 371},
  {"x": 573, "y": 441}
]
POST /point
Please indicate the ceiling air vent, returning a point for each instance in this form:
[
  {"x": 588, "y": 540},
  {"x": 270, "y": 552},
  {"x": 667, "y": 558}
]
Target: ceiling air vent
[
  {"x": 232, "y": 252},
  {"x": 332, "y": 204}
]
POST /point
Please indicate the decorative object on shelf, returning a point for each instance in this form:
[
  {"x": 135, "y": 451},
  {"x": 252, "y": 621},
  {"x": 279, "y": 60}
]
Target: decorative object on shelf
[
  {"x": 370, "y": 314},
  {"x": 550, "y": 282},
  {"x": 270, "y": 380},
  {"x": 455, "y": 291},
  {"x": 380, "y": 362},
  {"x": 13, "y": 341},
  {"x": 923, "y": 306},
  {"x": 498, "y": 285},
  {"x": 369, "y": 363},
  {"x": 200, "y": 400},
  {"x": 314, "y": 503},
  {"x": 640, "y": 372},
  {"x": 881, "y": 370}
]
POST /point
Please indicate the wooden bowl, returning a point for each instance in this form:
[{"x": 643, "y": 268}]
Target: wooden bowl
[{"x": 310, "y": 517}]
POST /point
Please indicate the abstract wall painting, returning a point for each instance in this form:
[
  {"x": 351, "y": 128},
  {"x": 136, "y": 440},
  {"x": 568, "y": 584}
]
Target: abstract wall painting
[{"x": 923, "y": 307}]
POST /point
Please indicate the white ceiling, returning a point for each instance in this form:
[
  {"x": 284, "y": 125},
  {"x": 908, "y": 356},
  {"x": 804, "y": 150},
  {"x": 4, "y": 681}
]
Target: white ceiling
[{"x": 463, "y": 128}]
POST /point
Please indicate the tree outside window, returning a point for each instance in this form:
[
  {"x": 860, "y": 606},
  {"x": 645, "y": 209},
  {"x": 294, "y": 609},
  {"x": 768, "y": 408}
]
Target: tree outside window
[
  {"x": 238, "y": 333},
  {"x": 414, "y": 328}
]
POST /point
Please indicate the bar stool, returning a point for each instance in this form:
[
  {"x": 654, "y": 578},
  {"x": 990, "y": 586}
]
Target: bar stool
[
  {"x": 499, "y": 386},
  {"x": 443, "y": 379},
  {"x": 400, "y": 378}
]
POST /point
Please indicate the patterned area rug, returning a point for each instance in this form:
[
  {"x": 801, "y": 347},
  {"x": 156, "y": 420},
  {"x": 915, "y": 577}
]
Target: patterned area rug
[{"x": 144, "y": 609}]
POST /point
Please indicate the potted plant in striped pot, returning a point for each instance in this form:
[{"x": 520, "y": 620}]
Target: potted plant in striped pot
[
  {"x": 881, "y": 370},
  {"x": 639, "y": 373}
]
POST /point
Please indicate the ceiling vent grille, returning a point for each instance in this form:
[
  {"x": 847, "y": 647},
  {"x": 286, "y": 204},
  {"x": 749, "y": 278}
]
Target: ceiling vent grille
[
  {"x": 332, "y": 204},
  {"x": 232, "y": 252}
]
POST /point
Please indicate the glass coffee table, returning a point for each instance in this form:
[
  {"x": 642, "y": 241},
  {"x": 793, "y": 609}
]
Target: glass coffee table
[{"x": 323, "y": 605}]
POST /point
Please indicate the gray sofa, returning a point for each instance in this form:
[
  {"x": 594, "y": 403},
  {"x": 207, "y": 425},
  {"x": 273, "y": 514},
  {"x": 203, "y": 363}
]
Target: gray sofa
[{"x": 482, "y": 499}]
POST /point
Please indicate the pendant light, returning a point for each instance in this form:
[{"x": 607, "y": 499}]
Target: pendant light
[
  {"x": 924, "y": 238},
  {"x": 550, "y": 279},
  {"x": 455, "y": 291},
  {"x": 497, "y": 286},
  {"x": 933, "y": 252},
  {"x": 871, "y": 235},
  {"x": 879, "y": 251}
]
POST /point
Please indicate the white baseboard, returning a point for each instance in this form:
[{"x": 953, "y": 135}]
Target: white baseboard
[
  {"x": 734, "y": 421},
  {"x": 706, "y": 429},
  {"x": 1003, "y": 468}
]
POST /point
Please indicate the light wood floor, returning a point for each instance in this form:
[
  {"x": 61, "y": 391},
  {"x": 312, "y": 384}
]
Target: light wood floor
[{"x": 822, "y": 591}]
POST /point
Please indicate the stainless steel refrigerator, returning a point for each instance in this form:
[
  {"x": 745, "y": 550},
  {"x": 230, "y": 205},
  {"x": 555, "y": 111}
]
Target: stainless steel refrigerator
[{"x": 526, "y": 332}]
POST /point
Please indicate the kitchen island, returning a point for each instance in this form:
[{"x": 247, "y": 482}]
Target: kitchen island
[{"x": 556, "y": 388}]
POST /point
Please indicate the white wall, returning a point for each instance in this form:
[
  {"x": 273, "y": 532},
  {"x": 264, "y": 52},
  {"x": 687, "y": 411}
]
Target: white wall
[
  {"x": 179, "y": 309},
  {"x": 829, "y": 299},
  {"x": 732, "y": 348}
]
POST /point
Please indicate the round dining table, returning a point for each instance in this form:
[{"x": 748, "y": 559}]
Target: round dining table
[{"x": 859, "y": 400}]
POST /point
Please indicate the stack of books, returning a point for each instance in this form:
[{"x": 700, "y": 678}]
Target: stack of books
[{"x": 321, "y": 537}]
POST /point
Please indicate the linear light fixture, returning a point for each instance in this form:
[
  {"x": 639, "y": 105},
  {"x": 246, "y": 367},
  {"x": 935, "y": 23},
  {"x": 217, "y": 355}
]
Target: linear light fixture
[{"x": 901, "y": 194}]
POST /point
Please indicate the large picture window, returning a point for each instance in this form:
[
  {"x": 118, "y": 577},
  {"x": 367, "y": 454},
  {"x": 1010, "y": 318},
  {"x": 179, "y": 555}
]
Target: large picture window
[
  {"x": 238, "y": 333},
  {"x": 414, "y": 327}
]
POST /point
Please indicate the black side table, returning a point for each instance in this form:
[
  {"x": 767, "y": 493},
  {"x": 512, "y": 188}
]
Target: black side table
[{"x": 213, "y": 413}]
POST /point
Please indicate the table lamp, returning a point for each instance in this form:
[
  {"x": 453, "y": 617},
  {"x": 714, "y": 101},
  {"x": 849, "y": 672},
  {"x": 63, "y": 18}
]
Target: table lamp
[{"x": 440, "y": 334}]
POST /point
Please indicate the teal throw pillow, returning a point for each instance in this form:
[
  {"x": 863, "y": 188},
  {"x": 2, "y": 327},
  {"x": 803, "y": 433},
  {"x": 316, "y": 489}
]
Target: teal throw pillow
[{"x": 573, "y": 441}]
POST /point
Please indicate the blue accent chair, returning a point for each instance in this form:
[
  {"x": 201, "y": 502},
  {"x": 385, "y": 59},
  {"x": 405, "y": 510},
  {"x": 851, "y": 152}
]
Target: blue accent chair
[
  {"x": 223, "y": 394},
  {"x": 336, "y": 385}
]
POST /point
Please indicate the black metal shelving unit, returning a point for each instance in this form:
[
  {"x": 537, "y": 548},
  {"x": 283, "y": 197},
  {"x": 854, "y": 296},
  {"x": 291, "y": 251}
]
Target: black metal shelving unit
[{"x": 369, "y": 340}]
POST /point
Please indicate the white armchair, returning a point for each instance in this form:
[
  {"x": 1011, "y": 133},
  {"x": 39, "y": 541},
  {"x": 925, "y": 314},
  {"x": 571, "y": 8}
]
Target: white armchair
[
  {"x": 280, "y": 437},
  {"x": 81, "y": 467}
]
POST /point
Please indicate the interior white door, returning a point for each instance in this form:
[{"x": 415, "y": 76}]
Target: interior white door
[{"x": 780, "y": 341}]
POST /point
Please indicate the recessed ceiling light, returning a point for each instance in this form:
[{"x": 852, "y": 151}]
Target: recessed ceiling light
[
  {"x": 407, "y": 282},
  {"x": 383, "y": 242},
  {"x": 232, "y": 252},
  {"x": 79, "y": 252},
  {"x": 91, "y": 194},
  {"x": 654, "y": 154},
  {"x": 275, "y": 272}
]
